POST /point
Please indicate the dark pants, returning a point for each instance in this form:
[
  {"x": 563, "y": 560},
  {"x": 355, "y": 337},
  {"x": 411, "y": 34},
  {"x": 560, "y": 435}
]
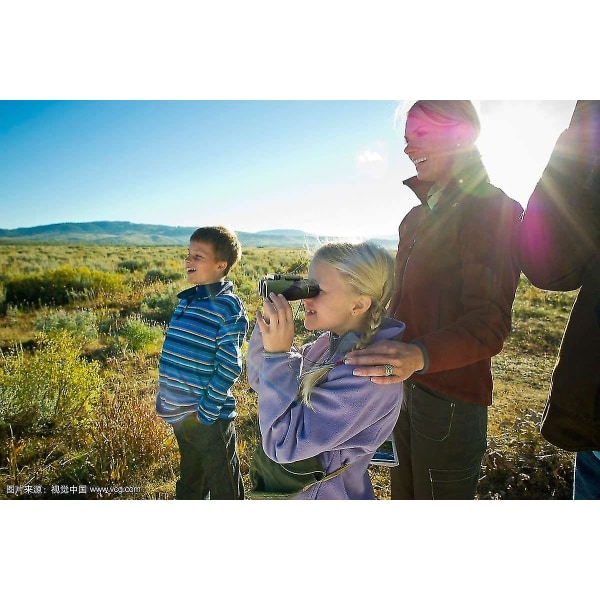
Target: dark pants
[
  {"x": 210, "y": 467},
  {"x": 587, "y": 476},
  {"x": 440, "y": 443}
]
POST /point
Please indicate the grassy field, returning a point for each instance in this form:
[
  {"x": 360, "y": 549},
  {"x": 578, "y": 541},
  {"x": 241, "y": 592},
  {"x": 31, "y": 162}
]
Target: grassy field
[{"x": 81, "y": 329}]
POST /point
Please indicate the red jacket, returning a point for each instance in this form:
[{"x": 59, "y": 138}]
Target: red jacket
[{"x": 456, "y": 277}]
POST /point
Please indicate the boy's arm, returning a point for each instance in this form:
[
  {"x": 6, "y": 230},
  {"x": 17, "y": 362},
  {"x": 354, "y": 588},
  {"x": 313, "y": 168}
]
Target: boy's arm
[
  {"x": 254, "y": 358},
  {"x": 227, "y": 367}
]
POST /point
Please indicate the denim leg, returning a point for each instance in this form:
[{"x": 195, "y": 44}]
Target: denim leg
[
  {"x": 446, "y": 442},
  {"x": 209, "y": 461},
  {"x": 587, "y": 476}
]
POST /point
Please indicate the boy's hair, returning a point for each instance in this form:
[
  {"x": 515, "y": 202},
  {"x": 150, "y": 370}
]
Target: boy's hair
[
  {"x": 369, "y": 270},
  {"x": 225, "y": 243}
]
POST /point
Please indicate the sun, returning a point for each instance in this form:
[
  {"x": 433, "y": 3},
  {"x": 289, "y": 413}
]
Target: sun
[{"x": 516, "y": 140}]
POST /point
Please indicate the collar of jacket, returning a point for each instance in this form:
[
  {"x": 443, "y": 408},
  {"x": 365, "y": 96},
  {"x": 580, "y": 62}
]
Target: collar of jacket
[
  {"x": 467, "y": 180},
  {"x": 343, "y": 345},
  {"x": 206, "y": 290}
]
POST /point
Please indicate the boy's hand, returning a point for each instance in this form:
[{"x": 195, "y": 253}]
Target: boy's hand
[{"x": 276, "y": 324}]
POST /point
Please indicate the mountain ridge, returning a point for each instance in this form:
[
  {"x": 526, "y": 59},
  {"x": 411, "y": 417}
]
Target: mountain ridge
[{"x": 126, "y": 233}]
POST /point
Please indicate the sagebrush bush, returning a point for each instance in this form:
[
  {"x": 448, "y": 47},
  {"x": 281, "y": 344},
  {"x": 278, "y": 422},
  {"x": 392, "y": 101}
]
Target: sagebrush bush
[
  {"x": 136, "y": 335},
  {"x": 159, "y": 306},
  {"x": 129, "y": 441},
  {"x": 51, "y": 389},
  {"x": 132, "y": 265},
  {"x": 82, "y": 323},
  {"x": 60, "y": 286},
  {"x": 155, "y": 275}
]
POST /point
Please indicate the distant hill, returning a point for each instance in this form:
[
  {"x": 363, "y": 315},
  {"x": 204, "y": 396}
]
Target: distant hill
[{"x": 124, "y": 233}]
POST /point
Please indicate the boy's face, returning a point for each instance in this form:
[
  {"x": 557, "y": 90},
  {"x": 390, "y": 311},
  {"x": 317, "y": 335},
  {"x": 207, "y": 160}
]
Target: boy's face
[{"x": 201, "y": 265}]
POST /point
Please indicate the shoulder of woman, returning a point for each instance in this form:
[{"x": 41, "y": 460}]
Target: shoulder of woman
[{"x": 491, "y": 200}]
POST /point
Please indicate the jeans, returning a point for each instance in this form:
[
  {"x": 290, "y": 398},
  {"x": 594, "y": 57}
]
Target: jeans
[
  {"x": 440, "y": 443},
  {"x": 209, "y": 466},
  {"x": 587, "y": 476}
]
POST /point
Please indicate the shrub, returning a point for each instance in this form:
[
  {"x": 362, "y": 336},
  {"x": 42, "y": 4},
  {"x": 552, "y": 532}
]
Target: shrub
[
  {"x": 51, "y": 389},
  {"x": 160, "y": 306},
  {"x": 136, "y": 335},
  {"x": 155, "y": 275},
  {"x": 58, "y": 287},
  {"x": 131, "y": 265},
  {"x": 81, "y": 324},
  {"x": 129, "y": 442}
]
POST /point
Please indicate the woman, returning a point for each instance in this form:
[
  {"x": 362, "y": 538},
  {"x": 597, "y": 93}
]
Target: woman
[
  {"x": 455, "y": 282},
  {"x": 309, "y": 403}
]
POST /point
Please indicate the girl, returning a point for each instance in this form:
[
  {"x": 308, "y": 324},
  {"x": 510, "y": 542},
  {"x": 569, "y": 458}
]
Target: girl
[{"x": 309, "y": 403}]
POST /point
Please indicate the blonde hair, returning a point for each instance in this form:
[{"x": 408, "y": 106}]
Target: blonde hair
[
  {"x": 446, "y": 113},
  {"x": 369, "y": 270}
]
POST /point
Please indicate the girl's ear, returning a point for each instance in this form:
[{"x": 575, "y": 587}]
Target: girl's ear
[{"x": 362, "y": 304}]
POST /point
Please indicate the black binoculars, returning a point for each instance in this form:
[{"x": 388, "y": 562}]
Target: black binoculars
[{"x": 293, "y": 287}]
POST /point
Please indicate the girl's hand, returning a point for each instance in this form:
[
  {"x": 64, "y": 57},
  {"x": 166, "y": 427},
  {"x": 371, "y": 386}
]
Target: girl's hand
[{"x": 276, "y": 324}]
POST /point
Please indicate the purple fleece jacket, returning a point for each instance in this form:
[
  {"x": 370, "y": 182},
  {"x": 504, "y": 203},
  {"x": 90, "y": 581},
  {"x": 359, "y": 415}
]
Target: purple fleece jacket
[{"x": 349, "y": 419}]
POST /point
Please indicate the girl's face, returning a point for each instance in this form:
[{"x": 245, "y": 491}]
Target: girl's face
[
  {"x": 432, "y": 148},
  {"x": 337, "y": 307}
]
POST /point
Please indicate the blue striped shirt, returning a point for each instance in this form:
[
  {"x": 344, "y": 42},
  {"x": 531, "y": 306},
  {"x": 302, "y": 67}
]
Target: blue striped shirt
[{"x": 201, "y": 357}]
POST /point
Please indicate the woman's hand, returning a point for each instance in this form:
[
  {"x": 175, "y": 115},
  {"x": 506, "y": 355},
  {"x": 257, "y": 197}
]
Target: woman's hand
[
  {"x": 404, "y": 359},
  {"x": 276, "y": 324}
]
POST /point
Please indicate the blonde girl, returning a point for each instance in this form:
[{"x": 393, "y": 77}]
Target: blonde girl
[{"x": 309, "y": 403}]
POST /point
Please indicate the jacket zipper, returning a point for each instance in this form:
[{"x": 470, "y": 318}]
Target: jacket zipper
[{"x": 410, "y": 249}]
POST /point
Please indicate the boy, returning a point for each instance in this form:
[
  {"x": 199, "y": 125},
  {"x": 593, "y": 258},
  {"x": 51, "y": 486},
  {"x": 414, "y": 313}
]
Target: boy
[{"x": 200, "y": 361}]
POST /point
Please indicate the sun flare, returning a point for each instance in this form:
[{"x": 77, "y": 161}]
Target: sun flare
[{"x": 517, "y": 139}]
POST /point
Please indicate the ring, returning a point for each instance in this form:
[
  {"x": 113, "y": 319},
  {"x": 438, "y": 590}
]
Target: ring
[{"x": 389, "y": 370}]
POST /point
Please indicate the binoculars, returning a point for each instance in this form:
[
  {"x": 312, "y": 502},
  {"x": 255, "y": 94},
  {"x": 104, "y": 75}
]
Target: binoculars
[{"x": 293, "y": 287}]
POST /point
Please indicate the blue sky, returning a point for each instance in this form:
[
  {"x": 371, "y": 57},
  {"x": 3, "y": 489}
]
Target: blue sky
[{"x": 326, "y": 167}]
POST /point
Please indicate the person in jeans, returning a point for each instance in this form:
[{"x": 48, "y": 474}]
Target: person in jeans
[
  {"x": 200, "y": 361},
  {"x": 560, "y": 250},
  {"x": 455, "y": 283}
]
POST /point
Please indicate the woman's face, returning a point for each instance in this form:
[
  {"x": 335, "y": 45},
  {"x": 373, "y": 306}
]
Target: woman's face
[
  {"x": 334, "y": 308},
  {"x": 431, "y": 147}
]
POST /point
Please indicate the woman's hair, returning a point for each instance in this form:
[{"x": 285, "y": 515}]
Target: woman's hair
[
  {"x": 458, "y": 114},
  {"x": 369, "y": 270},
  {"x": 447, "y": 113}
]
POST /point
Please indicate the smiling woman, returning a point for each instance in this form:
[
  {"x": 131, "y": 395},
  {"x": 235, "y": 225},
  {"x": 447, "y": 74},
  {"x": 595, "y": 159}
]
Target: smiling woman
[{"x": 455, "y": 282}]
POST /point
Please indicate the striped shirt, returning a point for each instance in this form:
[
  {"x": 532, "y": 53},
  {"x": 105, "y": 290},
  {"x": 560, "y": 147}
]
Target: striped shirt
[{"x": 202, "y": 354}]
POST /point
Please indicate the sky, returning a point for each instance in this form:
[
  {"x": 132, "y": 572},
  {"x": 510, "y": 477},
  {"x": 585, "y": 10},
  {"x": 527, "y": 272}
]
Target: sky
[{"x": 323, "y": 166}]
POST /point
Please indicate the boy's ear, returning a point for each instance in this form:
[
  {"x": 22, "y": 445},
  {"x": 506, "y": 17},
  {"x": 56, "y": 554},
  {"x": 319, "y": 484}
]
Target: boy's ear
[
  {"x": 361, "y": 305},
  {"x": 222, "y": 265}
]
